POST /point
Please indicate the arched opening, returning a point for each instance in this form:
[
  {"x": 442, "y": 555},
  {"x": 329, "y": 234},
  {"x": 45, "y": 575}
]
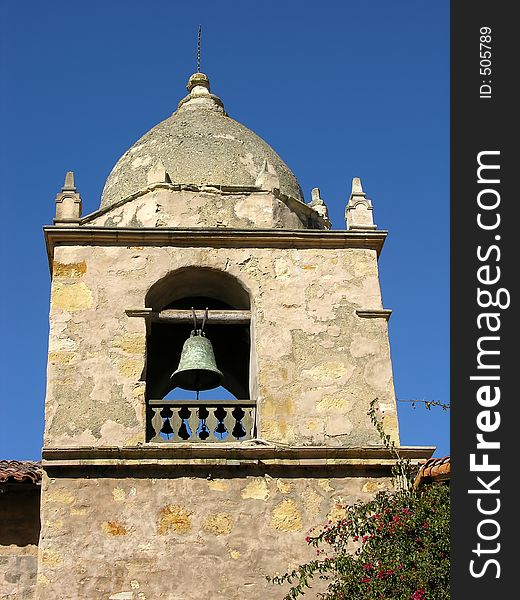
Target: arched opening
[
  {"x": 227, "y": 328},
  {"x": 188, "y": 282}
]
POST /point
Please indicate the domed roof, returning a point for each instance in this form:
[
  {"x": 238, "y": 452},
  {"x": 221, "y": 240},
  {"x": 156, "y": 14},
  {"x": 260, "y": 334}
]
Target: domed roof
[{"x": 200, "y": 145}]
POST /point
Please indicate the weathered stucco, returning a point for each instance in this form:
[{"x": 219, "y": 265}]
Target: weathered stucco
[
  {"x": 171, "y": 206},
  {"x": 318, "y": 365},
  {"x": 179, "y": 536},
  {"x": 18, "y": 569},
  {"x": 199, "y": 144}
]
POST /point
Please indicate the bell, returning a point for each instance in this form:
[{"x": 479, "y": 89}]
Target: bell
[{"x": 197, "y": 368}]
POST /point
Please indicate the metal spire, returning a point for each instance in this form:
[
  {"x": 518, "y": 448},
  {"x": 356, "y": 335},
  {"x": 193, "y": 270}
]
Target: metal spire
[{"x": 198, "y": 49}]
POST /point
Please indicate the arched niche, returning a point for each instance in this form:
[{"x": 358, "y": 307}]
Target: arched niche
[{"x": 200, "y": 288}]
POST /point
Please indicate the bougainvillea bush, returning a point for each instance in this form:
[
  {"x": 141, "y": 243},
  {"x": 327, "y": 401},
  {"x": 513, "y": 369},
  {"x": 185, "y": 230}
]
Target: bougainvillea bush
[{"x": 395, "y": 547}]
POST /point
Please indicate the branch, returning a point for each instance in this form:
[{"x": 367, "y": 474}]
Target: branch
[{"x": 428, "y": 403}]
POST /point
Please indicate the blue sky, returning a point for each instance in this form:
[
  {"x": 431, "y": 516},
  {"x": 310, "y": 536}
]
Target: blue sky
[{"x": 339, "y": 89}]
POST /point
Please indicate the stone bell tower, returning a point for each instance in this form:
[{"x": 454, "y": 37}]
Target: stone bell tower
[{"x": 149, "y": 497}]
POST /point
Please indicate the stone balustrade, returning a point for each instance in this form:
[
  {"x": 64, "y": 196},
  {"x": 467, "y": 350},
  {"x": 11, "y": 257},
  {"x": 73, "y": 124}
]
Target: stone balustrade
[{"x": 177, "y": 421}]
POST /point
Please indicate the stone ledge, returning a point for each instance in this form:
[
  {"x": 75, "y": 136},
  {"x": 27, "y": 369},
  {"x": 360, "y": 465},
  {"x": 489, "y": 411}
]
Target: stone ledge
[
  {"x": 215, "y": 237},
  {"x": 374, "y": 314},
  {"x": 163, "y": 455}
]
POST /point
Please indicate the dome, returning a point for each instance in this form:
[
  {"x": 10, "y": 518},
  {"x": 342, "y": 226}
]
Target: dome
[{"x": 199, "y": 145}]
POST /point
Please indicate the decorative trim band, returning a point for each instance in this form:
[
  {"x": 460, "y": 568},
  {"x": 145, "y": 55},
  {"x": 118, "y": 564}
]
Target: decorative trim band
[
  {"x": 215, "y": 237},
  {"x": 253, "y": 451}
]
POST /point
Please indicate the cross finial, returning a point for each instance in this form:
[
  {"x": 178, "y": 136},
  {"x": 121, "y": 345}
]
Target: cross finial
[{"x": 198, "y": 49}]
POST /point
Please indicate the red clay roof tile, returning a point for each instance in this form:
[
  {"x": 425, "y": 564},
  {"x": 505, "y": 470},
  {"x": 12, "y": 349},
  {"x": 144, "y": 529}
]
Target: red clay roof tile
[
  {"x": 434, "y": 469},
  {"x": 20, "y": 471}
]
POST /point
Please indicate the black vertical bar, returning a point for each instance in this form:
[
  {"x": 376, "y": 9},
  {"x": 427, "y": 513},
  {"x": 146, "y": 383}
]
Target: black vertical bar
[{"x": 484, "y": 247}]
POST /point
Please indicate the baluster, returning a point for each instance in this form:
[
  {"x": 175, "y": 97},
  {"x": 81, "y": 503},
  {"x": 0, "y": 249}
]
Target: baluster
[
  {"x": 229, "y": 423},
  {"x": 211, "y": 423},
  {"x": 194, "y": 424},
  {"x": 249, "y": 422},
  {"x": 157, "y": 423},
  {"x": 175, "y": 422}
]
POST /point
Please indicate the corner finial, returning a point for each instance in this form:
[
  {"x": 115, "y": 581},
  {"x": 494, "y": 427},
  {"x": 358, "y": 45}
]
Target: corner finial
[
  {"x": 358, "y": 214},
  {"x": 318, "y": 205},
  {"x": 68, "y": 203}
]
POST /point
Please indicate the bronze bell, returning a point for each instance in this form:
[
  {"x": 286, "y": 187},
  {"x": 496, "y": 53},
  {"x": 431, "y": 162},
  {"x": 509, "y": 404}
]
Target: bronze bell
[{"x": 197, "y": 368}]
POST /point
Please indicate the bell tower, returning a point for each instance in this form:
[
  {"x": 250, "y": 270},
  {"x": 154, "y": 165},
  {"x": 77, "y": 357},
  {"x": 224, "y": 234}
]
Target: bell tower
[{"x": 203, "y": 228}]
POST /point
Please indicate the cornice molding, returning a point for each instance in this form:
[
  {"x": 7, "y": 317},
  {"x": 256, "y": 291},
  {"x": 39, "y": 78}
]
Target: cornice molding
[
  {"x": 383, "y": 313},
  {"x": 255, "y": 452},
  {"x": 215, "y": 237}
]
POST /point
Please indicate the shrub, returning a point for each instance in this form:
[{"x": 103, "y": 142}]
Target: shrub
[
  {"x": 396, "y": 546},
  {"x": 393, "y": 547}
]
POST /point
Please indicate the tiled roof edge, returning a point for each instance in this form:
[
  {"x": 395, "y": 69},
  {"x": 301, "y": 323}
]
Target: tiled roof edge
[
  {"x": 20, "y": 471},
  {"x": 433, "y": 470}
]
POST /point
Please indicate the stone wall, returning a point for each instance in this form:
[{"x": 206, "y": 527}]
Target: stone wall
[
  {"x": 18, "y": 567},
  {"x": 190, "y": 534},
  {"x": 182, "y": 527},
  {"x": 317, "y": 364}
]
